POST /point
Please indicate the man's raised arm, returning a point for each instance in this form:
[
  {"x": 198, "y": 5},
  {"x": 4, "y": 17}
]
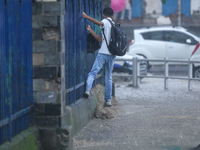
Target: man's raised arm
[{"x": 95, "y": 21}]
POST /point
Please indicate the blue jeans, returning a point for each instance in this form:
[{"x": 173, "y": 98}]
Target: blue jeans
[{"x": 100, "y": 60}]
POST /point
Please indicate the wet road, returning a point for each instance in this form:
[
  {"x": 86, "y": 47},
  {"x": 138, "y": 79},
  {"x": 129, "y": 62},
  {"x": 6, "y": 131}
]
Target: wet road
[{"x": 151, "y": 118}]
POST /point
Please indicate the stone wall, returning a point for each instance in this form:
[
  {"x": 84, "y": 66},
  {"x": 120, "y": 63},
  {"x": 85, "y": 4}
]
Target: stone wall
[
  {"x": 47, "y": 62},
  {"x": 48, "y": 74}
]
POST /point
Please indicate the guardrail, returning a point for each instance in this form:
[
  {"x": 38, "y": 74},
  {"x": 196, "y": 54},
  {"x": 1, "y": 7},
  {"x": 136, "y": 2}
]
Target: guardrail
[{"x": 136, "y": 71}]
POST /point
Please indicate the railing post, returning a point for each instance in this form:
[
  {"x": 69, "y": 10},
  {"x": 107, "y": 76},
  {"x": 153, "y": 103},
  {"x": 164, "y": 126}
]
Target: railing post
[
  {"x": 166, "y": 73},
  {"x": 189, "y": 75},
  {"x": 134, "y": 72},
  {"x": 138, "y": 72}
]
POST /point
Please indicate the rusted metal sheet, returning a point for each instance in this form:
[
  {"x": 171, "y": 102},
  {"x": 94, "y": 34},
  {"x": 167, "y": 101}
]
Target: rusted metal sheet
[
  {"x": 78, "y": 62},
  {"x": 16, "y": 67}
]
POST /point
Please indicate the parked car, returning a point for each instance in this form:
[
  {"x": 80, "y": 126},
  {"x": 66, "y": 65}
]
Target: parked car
[
  {"x": 160, "y": 42},
  {"x": 126, "y": 66},
  {"x": 196, "y": 57}
]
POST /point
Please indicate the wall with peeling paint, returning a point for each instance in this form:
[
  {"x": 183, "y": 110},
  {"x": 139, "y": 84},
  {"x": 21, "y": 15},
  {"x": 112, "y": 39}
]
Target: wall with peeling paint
[{"x": 153, "y": 7}]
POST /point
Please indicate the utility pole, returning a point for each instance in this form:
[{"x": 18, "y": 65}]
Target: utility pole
[{"x": 179, "y": 13}]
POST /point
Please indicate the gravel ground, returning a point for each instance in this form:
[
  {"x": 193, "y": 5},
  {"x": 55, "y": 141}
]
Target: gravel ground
[{"x": 149, "y": 118}]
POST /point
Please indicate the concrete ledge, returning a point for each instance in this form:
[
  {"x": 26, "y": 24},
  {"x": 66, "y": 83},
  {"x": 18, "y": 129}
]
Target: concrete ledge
[
  {"x": 79, "y": 114},
  {"x": 26, "y": 140}
]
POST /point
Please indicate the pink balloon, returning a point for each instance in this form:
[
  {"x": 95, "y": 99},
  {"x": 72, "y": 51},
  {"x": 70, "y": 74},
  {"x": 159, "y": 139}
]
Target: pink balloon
[{"x": 118, "y": 5}]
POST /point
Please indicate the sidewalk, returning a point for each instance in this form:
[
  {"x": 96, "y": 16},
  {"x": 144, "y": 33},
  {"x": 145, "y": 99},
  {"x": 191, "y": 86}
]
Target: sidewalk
[{"x": 151, "y": 118}]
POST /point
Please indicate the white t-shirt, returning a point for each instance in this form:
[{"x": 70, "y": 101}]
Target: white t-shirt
[{"x": 107, "y": 31}]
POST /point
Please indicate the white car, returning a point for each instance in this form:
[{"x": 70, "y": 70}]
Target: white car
[
  {"x": 196, "y": 57},
  {"x": 160, "y": 42}
]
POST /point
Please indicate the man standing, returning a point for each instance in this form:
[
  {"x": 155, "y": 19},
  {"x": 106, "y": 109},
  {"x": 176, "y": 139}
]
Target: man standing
[
  {"x": 103, "y": 57},
  {"x": 127, "y": 7}
]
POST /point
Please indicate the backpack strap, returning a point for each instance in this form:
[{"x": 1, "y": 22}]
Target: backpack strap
[
  {"x": 105, "y": 38},
  {"x": 110, "y": 21},
  {"x": 104, "y": 33},
  {"x": 112, "y": 24}
]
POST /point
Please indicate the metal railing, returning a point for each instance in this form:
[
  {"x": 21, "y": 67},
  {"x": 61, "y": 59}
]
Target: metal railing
[{"x": 136, "y": 76}]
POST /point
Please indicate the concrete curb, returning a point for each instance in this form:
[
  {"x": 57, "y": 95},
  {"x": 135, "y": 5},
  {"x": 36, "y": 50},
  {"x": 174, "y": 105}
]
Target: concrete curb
[{"x": 79, "y": 114}]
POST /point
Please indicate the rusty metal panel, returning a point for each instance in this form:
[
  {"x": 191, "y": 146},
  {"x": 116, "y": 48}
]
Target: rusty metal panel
[
  {"x": 78, "y": 62},
  {"x": 16, "y": 67}
]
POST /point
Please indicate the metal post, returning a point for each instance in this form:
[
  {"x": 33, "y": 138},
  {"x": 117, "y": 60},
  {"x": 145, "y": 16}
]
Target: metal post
[
  {"x": 189, "y": 75},
  {"x": 74, "y": 48},
  {"x": 179, "y": 13},
  {"x": 138, "y": 73},
  {"x": 134, "y": 72},
  {"x": 166, "y": 73}
]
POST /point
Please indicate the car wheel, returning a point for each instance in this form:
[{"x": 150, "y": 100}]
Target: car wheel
[
  {"x": 196, "y": 72},
  {"x": 145, "y": 63}
]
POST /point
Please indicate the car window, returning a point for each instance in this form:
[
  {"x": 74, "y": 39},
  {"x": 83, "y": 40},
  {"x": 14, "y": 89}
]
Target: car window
[
  {"x": 157, "y": 35},
  {"x": 178, "y": 37},
  {"x": 196, "y": 34}
]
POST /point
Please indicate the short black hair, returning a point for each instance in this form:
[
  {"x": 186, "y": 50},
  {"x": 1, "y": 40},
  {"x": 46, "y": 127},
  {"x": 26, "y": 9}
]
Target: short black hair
[{"x": 108, "y": 12}]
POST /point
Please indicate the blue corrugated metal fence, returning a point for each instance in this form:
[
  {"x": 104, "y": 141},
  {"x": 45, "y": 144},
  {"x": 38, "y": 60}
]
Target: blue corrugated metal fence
[
  {"x": 78, "y": 62},
  {"x": 137, "y": 8},
  {"x": 186, "y": 7},
  {"x": 16, "y": 100},
  {"x": 171, "y": 7}
]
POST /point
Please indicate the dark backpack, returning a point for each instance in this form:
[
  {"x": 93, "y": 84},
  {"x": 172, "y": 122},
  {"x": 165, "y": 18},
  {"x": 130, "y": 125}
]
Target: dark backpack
[
  {"x": 118, "y": 40},
  {"x": 92, "y": 43}
]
